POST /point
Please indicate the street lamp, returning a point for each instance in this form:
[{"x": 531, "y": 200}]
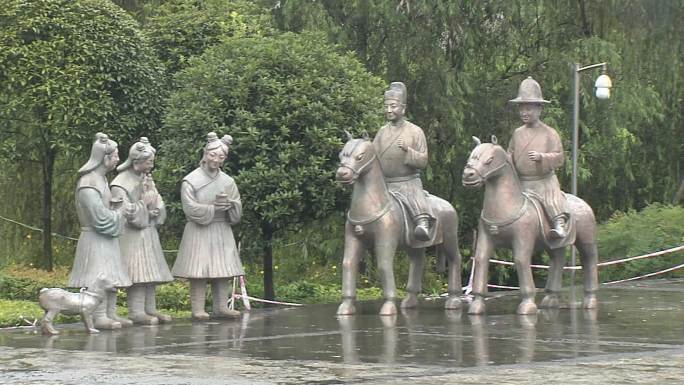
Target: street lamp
[{"x": 602, "y": 85}]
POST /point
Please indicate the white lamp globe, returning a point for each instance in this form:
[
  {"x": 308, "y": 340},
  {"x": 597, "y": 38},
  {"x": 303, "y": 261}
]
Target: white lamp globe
[
  {"x": 603, "y": 93},
  {"x": 603, "y": 85}
]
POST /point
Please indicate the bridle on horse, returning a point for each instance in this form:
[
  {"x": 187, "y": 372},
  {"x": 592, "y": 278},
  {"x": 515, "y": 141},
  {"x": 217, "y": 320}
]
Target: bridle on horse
[
  {"x": 357, "y": 172},
  {"x": 355, "y": 175},
  {"x": 490, "y": 172},
  {"x": 493, "y": 224}
]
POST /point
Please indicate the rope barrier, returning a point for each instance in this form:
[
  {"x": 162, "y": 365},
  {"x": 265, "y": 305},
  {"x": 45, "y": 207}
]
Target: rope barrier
[
  {"x": 468, "y": 289},
  {"x": 606, "y": 283},
  {"x": 655, "y": 254},
  {"x": 238, "y": 296},
  {"x": 646, "y": 275},
  {"x": 607, "y": 263},
  {"x": 37, "y": 229}
]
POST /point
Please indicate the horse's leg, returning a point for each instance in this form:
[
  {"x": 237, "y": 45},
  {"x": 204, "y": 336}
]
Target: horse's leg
[
  {"x": 523, "y": 246},
  {"x": 415, "y": 278},
  {"x": 555, "y": 278},
  {"x": 453, "y": 255},
  {"x": 353, "y": 250},
  {"x": 483, "y": 251},
  {"x": 589, "y": 256},
  {"x": 385, "y": 246}
]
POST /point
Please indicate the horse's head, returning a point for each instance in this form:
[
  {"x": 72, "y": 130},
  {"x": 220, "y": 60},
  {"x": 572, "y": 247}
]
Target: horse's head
[
  {"x": 355, "y": 157},
  {"x": 485, "y": 161}
]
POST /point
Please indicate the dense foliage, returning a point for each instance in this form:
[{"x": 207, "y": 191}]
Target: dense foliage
[
  {"x": 67, "y": 70},
  {"x": 181, "y": 29},
  {"x": 285, "y": 100},
  {"x": 631, "y": 233}
]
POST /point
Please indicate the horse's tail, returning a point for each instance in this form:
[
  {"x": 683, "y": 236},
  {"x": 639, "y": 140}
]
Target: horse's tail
[
  {"x": 443, "y": 255},
  {"x": 441, "y": 259}
]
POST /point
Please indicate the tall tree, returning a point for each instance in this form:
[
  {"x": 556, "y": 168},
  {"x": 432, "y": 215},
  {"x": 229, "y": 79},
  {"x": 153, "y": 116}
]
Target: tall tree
[
  {"x": 285, "y": 100},
  {"x": 69, "y": 69}
]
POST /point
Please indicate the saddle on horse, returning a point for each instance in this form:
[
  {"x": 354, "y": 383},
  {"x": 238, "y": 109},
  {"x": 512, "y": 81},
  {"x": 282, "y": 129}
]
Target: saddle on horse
[
  {"x": 547, "y": 225},
  {"x": 434, "y": 235}
]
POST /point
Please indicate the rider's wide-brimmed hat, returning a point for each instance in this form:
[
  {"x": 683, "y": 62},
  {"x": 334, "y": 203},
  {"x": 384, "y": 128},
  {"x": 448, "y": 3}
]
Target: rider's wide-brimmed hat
[{"x": 529, "y": 92}]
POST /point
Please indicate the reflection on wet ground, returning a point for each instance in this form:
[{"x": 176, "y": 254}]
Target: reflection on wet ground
[{"x": 634, "y": 318}]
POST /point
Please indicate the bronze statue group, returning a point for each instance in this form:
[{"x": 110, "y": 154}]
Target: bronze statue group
[{"x": 524, "y": 209}]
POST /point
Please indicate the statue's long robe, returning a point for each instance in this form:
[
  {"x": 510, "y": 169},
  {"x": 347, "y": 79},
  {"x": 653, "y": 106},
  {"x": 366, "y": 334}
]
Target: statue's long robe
[
  {"x": 539, "y": 177},
  {"x": 208, "y": 248},
  {"x": 141, "y": 250},
  {"x": 400, "y": 168},
  {"x": 98, "y": 249}
]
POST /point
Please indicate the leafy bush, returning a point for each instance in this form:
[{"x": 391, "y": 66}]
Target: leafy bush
[
  {"x": 657, "y": 227},
  {"x": 181, "y": 29},
  {"x": 68, "y": 68},
  {"x": 23, "y": 283},
  {"x": 174, "y": 296}
]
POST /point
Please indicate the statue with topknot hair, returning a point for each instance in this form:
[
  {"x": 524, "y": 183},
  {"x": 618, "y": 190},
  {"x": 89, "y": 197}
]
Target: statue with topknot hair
[
  {"x": 141, "y": 250},
  {"x": 208, "y": 253},
  {"x": 101, "y": 219}
]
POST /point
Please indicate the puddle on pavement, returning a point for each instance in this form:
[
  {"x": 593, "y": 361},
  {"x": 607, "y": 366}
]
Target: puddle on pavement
[{"x": 628, "y": 320}]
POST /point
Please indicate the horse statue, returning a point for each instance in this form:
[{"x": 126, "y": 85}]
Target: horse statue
[
  {"x": 514, "y": 219},
  {"x": 376, "y": 222}
]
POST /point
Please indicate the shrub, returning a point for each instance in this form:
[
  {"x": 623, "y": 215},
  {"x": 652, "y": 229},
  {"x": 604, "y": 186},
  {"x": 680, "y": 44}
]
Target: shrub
[
  {"x": 69, "y": 68},
  {"x": 21, "y": 283},
  {"x": 657, "y": 227},
  {"x": 181, "y": 29}
]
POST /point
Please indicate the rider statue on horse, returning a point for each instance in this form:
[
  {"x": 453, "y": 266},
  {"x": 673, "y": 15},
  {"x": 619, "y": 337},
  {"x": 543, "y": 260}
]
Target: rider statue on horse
[
  {"x": 402, "y": 151},
  {"x": 536, "y": 151}
]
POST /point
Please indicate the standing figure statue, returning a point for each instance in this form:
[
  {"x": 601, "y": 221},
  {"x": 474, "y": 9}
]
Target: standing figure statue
[
  {"x": 211, "y": 203},
  {"x": 98, "y": 250},
  {"x": 536, "y": 151},
  {"x": 141, "y": 249},
  {"x": 402, "y": 151}
]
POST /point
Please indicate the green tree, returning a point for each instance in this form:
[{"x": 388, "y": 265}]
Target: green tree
[
  {"x": 285, "y": 100},
  {"x": 69, "y": 69},
  {"x": 181, "y": 29}
]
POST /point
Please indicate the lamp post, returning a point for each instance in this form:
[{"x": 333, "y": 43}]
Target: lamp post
[{"x": 602, "y": 85}]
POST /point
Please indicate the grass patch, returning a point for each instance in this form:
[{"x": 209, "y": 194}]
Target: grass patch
[{"x": 23, "y": 313}]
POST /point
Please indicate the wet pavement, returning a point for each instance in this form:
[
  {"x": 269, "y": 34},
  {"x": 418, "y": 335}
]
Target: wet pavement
[{"x": 636, "y": 336}]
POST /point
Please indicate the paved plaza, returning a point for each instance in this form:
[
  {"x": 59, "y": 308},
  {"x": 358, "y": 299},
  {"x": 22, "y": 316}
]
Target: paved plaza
[{"x": 636, "y": 336}]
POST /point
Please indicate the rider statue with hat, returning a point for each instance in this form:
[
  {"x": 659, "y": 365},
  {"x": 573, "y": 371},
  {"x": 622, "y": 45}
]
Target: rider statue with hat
[
  {"x": 536, "y": 151},
  {"x": 402, "y": 151}
]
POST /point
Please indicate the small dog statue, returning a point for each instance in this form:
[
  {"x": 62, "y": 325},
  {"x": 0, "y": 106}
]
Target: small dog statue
[{"x": 56, "y": 300}]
